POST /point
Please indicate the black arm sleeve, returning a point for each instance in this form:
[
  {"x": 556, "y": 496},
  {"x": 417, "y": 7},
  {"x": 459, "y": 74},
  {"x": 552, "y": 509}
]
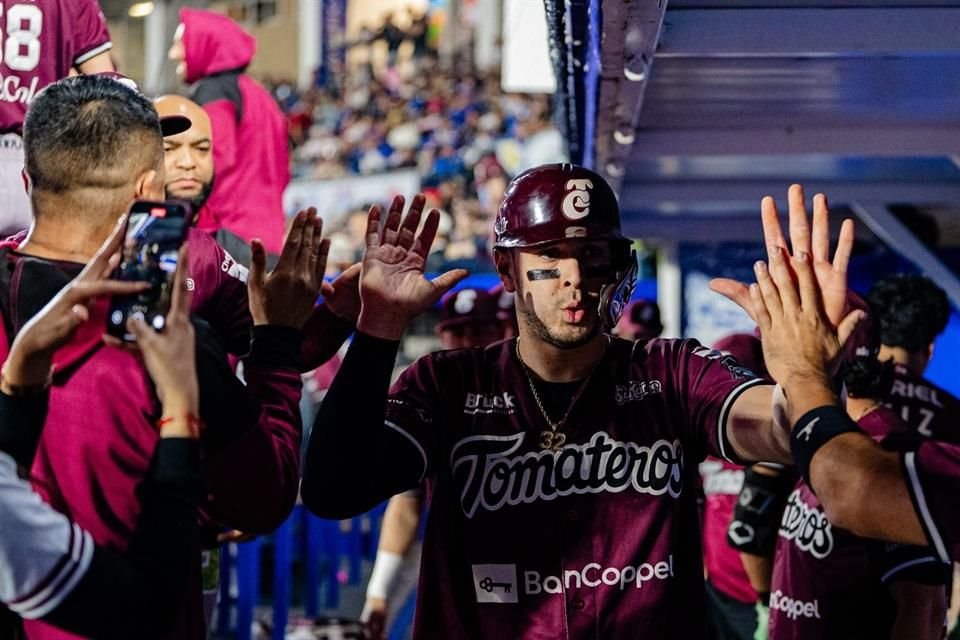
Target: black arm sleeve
[
  {"x": 21, "y": 423},
  {"x": 353, "y": 460},
  {"x": 137, "y": 594}
]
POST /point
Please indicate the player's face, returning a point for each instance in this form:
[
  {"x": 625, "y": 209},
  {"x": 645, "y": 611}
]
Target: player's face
[
  {"x": 188, "y": 159},
  {"x": 558, "y": 290},
  {"x": 177, "y": 52}
]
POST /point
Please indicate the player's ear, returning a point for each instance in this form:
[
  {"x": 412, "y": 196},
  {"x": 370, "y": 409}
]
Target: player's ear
[
  {"x": 149, "y": 185},
  {"x": 27, "y": 182},
  {"x": 502, "y": 259}
]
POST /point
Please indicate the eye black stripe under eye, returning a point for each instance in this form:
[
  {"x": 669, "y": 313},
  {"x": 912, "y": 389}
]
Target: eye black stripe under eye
[{"x": 543, "y": 274}]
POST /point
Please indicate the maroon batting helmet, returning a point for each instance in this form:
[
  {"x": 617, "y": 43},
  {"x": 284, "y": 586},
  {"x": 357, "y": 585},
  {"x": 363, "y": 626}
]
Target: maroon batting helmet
[{"x": 556, "y": 202}]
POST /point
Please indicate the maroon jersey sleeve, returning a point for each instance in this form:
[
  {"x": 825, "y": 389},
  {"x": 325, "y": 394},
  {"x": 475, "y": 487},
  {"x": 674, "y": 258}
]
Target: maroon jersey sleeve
[
  {"x": 220, "y": 291},
  {"x": 708, "y": 383},
  {"x": 90, "y": 35},
  {"x": 932, "y": 473},
  {"x": 413, "y": 407}
]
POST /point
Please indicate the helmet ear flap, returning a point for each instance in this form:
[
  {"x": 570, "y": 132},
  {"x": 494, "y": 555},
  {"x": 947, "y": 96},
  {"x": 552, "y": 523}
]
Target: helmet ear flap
[{"x": 615, "y": 296}]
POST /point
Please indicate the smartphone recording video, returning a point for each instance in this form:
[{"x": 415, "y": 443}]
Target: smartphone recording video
[{"x": 155, "y": 231}]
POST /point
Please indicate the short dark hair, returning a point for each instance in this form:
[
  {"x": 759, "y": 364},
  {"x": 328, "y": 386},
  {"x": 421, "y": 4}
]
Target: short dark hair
[
  {"x": 90, "y": 131},
  {"x": 913, "y": 311}
]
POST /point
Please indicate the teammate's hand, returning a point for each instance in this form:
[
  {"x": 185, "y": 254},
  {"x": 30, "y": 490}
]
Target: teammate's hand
[
  {"x": 831, "y": 276},
  {"x": 170, "y": 358},
  {"x": 32, "y": 351},
  {"x": 374, "y": 619},
  {"x": 343, "y": 294},
  {"x": 288, "y": 294},
  {"x": 393, "y": 289},
  {"x": 800, "y": 345}
]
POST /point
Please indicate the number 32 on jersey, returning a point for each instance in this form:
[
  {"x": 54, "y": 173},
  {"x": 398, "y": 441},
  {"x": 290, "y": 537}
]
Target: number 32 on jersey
[{"x": 20, "y": 37}]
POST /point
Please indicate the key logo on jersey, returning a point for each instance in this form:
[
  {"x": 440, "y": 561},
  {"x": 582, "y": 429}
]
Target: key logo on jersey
[
  {"x": 792, "y": 608},
  {"x": 807, "y": 526},
  {"x": 636, "y": 390},
  {"x": 576, "y": 204},
  {"x": 492, "y": 475},
  {"x": 502, "y": 403},
  {"x": 497, "y": 583}
]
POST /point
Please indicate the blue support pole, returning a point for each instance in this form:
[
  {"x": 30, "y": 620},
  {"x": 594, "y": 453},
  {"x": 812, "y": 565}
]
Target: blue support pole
[
  {"x": 248, "y": 586},
  {"x": 282, "y": 561}
]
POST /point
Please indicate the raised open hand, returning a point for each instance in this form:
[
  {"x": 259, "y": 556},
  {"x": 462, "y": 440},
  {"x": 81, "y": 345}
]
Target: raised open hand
[
  {"x": 831, "y": 275},
  {"x": 800, "y": 344},
  {"x": 343, "y": 294},
  {"x": 286, "y": 295},
  {"x": 393, "y": 289}
]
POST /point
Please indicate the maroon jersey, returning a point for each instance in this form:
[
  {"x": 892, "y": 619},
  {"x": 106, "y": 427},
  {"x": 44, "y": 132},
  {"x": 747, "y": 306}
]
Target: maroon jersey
[
  {"x": 830, "y": 583},
  {"x": 933, "y": 477},
  {"x": 598, "y": 538},
  {"x": 722, "y": 481},
  {"x": 40, "y": 40},
  {"x": 928, "y": 409}
]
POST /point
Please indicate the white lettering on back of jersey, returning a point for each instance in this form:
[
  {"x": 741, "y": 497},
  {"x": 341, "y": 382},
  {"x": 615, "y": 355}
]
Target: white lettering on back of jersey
[
  {"x": 792, "y": 608},
  {"x": 807, "y": 526},
  {"x": 492, "y": 477}
]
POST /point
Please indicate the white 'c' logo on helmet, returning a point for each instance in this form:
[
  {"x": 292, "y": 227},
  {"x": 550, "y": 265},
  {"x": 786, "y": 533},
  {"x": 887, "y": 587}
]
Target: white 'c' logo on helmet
[
  {"x": 576, "y": 204},
  {"x": 464, "y": 303}
]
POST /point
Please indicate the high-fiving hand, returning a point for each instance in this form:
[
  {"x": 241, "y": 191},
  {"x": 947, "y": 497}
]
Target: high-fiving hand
[
  {"x": 831, "y": 275},
  {"x": 286, "y": 296},
  {"x": 393, "y": 289}
]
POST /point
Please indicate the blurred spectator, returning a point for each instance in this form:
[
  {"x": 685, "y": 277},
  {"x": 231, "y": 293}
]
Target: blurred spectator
[
  {"x": 460, "y": 131},
  {"x": 249, "y": 131},
  {"x": 640, "y": 322},
  {"x": 468, "y": 318}
]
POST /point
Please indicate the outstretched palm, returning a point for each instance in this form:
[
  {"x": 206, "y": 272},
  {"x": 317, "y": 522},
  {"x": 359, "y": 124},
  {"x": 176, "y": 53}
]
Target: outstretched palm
[
  {"x": 393, "y": 289},
  {"x": 831, "y": 276}
]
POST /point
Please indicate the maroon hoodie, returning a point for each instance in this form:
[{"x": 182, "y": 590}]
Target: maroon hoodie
[
  {"x": 100, "y": 431},
  {"x": 250, "y": 152}
]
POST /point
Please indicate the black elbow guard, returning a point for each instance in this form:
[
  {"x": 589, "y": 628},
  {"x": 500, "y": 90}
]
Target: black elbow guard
[{"x": 756, "y": 518}]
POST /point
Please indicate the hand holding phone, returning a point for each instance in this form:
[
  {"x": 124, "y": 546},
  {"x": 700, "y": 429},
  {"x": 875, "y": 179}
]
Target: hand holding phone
[{"x": 155, "y": 231}]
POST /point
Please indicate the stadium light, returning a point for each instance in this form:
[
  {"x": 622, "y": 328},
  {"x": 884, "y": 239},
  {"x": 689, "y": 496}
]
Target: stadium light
[{"x": 140, "y": 9}]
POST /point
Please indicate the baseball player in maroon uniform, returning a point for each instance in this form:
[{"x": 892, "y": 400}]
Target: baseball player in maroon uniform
[
  {"x": 561, "y": 465},
  {"x": 830, "y": 583},
  {"x": 40, "y": 42},
  {"x": 912, "y": 312},
  {"x": 910, "y": 496},
  {"x": 468, "y": 318}
]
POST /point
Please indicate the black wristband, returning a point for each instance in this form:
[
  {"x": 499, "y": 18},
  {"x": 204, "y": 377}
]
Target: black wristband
[{"x": 813, "y": 430}]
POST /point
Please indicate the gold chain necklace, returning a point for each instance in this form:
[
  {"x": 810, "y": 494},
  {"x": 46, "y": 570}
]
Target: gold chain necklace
[{"x": 553, "y": 439}]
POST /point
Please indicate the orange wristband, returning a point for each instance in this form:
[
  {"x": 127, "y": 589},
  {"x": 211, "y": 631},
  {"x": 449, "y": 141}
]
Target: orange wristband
[{"x": 195, "y": 423}]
